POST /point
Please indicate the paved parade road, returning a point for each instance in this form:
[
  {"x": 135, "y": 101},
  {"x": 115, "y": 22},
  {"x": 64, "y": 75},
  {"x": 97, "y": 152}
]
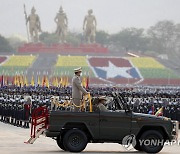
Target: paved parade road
[{"x": 12, "y": 138}]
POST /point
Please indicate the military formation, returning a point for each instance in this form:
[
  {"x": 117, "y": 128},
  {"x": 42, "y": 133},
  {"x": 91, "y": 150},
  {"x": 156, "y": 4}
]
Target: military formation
[{"x": 17, "y": 104}]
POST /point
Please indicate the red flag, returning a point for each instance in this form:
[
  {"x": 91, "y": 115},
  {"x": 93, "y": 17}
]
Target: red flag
[
  {"x": 2, "y": 81},
  {"x": 87, "y": 82}
]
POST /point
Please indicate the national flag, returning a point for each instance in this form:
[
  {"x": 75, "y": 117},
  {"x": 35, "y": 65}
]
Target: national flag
[
  {"x": 113, "y": 68},
  {"x": 159, "y": 112}
]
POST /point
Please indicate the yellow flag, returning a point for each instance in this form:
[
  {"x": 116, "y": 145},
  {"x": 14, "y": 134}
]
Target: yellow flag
[
  {"x": 84, "y": 81},
  {"x": 18, "y": 81},
  {"x": 39, "y": 82},
  {"x": 15, "y": 80},
  {"x": 55, "y": 82},
  {"x": 32, "y": 81},
  {"x": 61, "y": 81},
  {"x": 4, "y": 79},
  {"x": 67, "y": 81},
  {"x": 25, "y": 81}
]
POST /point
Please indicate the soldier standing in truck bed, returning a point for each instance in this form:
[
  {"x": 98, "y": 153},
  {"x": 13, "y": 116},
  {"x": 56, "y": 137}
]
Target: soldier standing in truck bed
[{"x": 77, "y": 89}]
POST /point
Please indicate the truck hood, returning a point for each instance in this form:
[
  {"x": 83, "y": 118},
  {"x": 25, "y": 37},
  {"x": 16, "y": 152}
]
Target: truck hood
[{"x": 147, "y": 116}]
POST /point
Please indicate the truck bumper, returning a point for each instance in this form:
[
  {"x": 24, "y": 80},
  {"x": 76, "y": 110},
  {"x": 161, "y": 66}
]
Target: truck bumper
[{"x": 51, "y": 134}]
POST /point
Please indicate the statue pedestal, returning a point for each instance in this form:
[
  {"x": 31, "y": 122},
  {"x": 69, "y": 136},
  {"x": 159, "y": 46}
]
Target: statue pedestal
[{"x": 62, "y": 48}]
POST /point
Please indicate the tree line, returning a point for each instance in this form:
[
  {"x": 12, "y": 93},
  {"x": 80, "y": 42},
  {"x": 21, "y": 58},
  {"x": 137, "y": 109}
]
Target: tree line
[{"x": 161, "y": 38}]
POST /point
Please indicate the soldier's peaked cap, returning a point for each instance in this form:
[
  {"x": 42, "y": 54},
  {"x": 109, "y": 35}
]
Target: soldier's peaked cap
[{"x": 78, "y": 70}]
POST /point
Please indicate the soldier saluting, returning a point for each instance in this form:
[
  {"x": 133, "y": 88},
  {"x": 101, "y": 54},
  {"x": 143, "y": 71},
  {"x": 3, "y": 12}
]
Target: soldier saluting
[{"x": 77, "y": 89}]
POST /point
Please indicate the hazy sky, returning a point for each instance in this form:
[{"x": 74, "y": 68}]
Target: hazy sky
[{"x": 112, "y": 15}]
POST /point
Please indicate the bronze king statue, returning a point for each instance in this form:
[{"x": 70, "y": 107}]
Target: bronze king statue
[
  {"x": 34, "y": 25},
  {"x": 62, "y": 24},
  {"x": 89, "y": 27}
]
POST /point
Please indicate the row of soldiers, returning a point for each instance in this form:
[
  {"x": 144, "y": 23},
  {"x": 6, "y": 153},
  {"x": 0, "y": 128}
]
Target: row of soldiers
[
  {"x": 170, "y": 107},
  {"x": 17, "y": 104},
  {"x": 138, "y": 91}
]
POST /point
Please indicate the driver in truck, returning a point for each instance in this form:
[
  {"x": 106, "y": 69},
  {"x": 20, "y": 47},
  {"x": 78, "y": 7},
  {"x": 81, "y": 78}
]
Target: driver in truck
[{"x": 101, "y": 104}]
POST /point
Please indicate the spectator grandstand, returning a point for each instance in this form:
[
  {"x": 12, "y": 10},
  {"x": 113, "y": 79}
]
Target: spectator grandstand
[
  {"x": 151, "y": 70},
  {"x": 66, "y": 64},
  {"x": 16, "y": 64},
  {"x": 100, "y": 70},
  {"x": 2, "y": 59}
]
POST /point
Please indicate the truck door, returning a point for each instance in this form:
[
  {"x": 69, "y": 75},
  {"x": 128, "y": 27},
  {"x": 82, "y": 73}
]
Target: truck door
[{"x": 114, "y": 125}]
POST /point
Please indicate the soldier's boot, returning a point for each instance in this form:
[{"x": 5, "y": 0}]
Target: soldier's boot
[
  {"x": 27, "y": 124},
  {"x": 5, "y": 119},
  {"x": 17, "y": 124},
  {"x": 12, "y": 121},
  {"x": 20, "y": 124},
  {"x": 2, "y": 118},
  {"x": 8, "y": 120},
  {"x": 24, "y": 126}
]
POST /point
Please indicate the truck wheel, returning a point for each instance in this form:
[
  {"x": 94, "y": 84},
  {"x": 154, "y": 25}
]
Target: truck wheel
[
  {"x": 75, "y": 140},
  {"x": 151, "y": 141},
  {"x": 60, "y": 143}
]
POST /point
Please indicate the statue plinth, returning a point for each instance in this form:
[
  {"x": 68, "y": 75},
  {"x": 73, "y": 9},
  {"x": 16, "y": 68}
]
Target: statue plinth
[{"x": 62, "y": 48}]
